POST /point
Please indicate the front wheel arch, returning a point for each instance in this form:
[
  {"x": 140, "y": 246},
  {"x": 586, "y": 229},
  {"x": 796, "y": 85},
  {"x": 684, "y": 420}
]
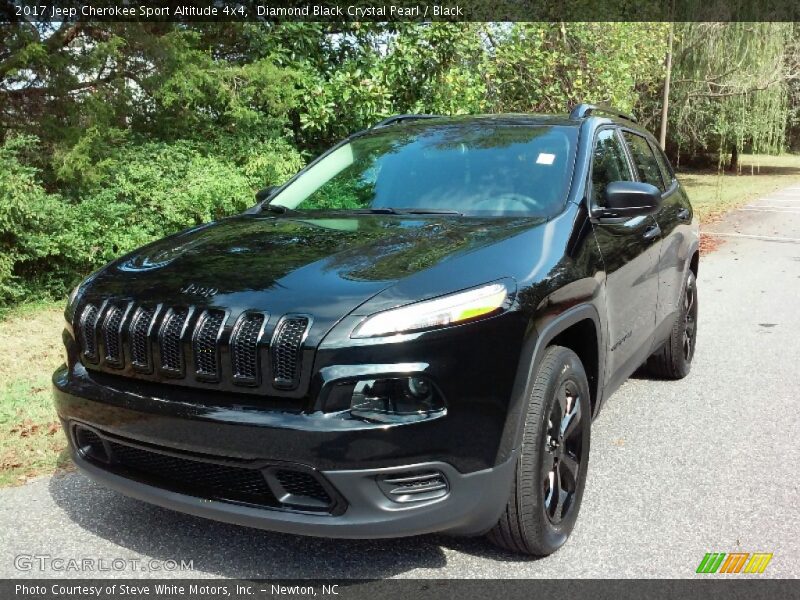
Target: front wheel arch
[{"x": 534, "y": 348}]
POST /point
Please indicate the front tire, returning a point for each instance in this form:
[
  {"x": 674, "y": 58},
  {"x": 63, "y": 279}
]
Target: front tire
[
  {"x": 551, "y": 469},
  {"x": 674, "y": 359}
]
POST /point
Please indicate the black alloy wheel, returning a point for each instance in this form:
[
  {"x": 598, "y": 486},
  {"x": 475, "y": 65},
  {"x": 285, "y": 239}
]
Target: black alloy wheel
[
  {"x": 563, "y": 452},
  {"x": 550, "y": 477}
]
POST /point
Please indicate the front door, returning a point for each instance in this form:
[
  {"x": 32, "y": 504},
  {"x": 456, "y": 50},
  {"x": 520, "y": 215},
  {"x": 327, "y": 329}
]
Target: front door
[{"x": 630, "y": 250}]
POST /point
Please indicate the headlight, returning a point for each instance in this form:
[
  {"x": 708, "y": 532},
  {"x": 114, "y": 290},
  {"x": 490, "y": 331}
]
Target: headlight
[
  {"x": 73, "y": 295},
  {"x": 448, "y": 310},
  {"x": 72, "y": 301}
]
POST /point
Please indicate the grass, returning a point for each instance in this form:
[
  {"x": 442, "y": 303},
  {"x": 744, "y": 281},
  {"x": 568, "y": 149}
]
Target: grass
[
  {"x": 31, "y": 440},
  {"x": 713, "y": 193}
]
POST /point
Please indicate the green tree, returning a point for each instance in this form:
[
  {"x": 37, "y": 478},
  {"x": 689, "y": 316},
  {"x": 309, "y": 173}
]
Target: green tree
[{"x": 730, "y": 88}]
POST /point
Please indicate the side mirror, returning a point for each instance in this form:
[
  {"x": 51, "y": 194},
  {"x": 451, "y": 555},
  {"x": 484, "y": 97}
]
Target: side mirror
[
  {"x": 265, "y": 193},
  {"x": 630, "y": 199}
]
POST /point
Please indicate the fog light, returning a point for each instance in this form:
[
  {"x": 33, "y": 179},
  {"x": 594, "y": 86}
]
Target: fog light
[{"x": 399, "y": 399}]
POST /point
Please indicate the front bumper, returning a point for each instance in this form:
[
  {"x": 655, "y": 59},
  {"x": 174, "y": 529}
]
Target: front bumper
[
  {"x": 473, "y": 505},
  {"x": 334, "y": 451}
]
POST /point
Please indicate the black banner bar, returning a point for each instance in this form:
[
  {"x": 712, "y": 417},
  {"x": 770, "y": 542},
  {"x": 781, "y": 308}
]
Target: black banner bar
[
  {"x": 398, "y": 10},
  {"x": 729, "y": 588}
]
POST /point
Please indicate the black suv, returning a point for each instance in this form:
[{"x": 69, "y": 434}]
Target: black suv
[{"x": 411, "y": 335}]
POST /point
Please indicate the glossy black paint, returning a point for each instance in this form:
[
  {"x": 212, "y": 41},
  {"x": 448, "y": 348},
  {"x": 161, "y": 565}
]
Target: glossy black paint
[
  {"x": 630, "y": 199},
  {"x": 584, "y": 271}
]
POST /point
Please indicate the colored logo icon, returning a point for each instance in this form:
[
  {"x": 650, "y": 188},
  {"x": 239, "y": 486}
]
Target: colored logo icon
[{"x": 735, "y": 562}]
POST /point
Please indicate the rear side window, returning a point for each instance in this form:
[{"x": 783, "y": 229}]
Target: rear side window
[
  {"x": 609, "y": 164},
  {"x": 666, "y": 169},
  {"x": 644, "y": 160}
]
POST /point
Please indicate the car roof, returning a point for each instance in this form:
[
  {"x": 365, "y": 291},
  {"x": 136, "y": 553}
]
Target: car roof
[
  {"x": 496, "y": 119},
  {"x": 505, "y": 119}
]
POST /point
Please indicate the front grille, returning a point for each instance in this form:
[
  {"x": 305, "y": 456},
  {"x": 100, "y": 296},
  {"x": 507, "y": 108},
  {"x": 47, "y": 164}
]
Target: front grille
[
  {"x": 304, "y": 485},
  {"x": 170, "y": 348},
  {"x": 205, "y": 346},
  {"x": 140, "y": 341},
  {"x": 194, "y": 347},
  {"x": 244, "y": 348},
  {"x": 112, "y": 332},
  {"x": 199, "y": 478},
  {"x": 206, "y": 476},
  {"x": 87, "y": 332},
  {"x": 286, "y": 348}
]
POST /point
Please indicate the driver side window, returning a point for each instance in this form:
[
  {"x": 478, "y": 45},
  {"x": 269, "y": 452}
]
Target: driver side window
[{"x": 609, "y": 164}]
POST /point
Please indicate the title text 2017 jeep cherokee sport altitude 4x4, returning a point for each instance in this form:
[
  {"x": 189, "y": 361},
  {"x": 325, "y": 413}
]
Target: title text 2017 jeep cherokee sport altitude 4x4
[{"x": 411, "y": 335}]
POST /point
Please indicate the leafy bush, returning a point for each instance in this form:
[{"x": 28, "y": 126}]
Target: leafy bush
[
  {"x": 135, "y": 194},
  {"x": 30, "y": 223}
]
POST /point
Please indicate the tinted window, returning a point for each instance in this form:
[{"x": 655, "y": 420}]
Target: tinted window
[
  {"x": 478, "y": 168},
  {"x": 644, "y": 160},
  {"x": 609, "y": 164},
  {"x": 667, "y": 173}
]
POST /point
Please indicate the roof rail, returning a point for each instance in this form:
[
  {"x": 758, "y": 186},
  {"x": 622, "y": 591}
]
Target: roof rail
[
  {"x": 584, "y": 110},
  {"x": 400, "y": 118}
]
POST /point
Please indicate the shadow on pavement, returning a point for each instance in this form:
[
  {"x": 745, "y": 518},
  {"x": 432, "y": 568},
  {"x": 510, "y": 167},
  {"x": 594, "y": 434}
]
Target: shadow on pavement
[{"x": 239, "y": 552}]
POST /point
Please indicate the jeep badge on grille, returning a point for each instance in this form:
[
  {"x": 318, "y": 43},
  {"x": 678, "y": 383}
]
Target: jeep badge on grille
[{"x": 198, "y": 290}]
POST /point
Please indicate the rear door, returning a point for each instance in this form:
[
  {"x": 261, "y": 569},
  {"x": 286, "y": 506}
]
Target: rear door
[
  {"x": 675, "y": 219},
  {"x": 630, "y": 250}
]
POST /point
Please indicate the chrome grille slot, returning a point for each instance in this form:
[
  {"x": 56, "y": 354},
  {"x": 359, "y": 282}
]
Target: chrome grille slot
[
  {"x": 205, "y": 344},
  {"x": 170, "y": 337},
  {"x": 244, "y": 348},
  {"x": 140, "y": 338},
  {"x": 112, "y": 335},
  {"x": 286, "y": 347},
  {"x": 87, "y": 330},
  {"x": 195, "y": 346}
]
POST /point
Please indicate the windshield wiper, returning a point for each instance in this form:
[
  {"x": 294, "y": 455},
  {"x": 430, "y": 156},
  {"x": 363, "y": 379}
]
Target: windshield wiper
[
  {"x": 388, "y": 210},
  {"x": 382, "y": 210},
  {"x": 428, "y": 211},
  {"x": 281, "y": 210}
]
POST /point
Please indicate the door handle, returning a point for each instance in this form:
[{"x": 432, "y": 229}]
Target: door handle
[
  {"x": 651, "y": 232},
  {"x": 683, "y": 214}
]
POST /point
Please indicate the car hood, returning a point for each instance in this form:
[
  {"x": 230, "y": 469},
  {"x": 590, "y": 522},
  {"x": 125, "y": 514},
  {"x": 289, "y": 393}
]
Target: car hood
[{"x": 322, "y": 266}]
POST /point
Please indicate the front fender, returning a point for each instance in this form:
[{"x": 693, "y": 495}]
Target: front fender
[{"x": 541, "y": 334}]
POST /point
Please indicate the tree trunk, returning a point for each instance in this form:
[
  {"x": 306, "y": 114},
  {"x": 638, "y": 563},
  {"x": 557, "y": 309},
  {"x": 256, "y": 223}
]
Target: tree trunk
[
  {"x": 734, "y": 166},
  {"x": 662, "y": 138}
]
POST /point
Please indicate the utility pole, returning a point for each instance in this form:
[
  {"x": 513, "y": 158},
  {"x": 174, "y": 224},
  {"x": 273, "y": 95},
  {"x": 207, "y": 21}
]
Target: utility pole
[{"x": 662, "y": 138}]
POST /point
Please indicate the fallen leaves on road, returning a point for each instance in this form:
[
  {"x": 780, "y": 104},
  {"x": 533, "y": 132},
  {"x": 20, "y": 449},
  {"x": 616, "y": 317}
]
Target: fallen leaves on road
[{"x": 709, "y": 243}]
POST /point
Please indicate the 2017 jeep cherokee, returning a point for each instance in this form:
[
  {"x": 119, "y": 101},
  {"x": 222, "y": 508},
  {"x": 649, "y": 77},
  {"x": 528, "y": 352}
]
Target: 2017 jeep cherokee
[{"x": 411, "y": 335}]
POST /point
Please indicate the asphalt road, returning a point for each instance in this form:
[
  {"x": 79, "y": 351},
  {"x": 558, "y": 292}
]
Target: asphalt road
[{"x": 677, "y": 469}]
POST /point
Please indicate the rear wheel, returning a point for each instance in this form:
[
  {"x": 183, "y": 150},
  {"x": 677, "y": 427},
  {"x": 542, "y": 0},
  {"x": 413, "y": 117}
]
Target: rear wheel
[
  {"x": 551, "y": 468},
  {"x": 674, "y": 359}
]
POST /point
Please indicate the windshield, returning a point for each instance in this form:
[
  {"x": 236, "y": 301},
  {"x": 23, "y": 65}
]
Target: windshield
[{"x": 472, "y": 169}]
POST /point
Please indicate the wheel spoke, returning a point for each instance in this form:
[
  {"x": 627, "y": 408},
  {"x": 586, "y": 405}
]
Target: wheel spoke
[
  {"x": 561, "y": 403},
  {"x": 548, "y": 462},
  {"x": 571, "y": 421},
  {"x": 553, "y": 499},
  {"x": 558, "y": 511},
  {"x": 569, "y": 464}
]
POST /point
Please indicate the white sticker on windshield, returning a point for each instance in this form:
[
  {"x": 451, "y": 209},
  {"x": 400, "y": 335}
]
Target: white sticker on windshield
[{"x": 545, "y": 159}]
